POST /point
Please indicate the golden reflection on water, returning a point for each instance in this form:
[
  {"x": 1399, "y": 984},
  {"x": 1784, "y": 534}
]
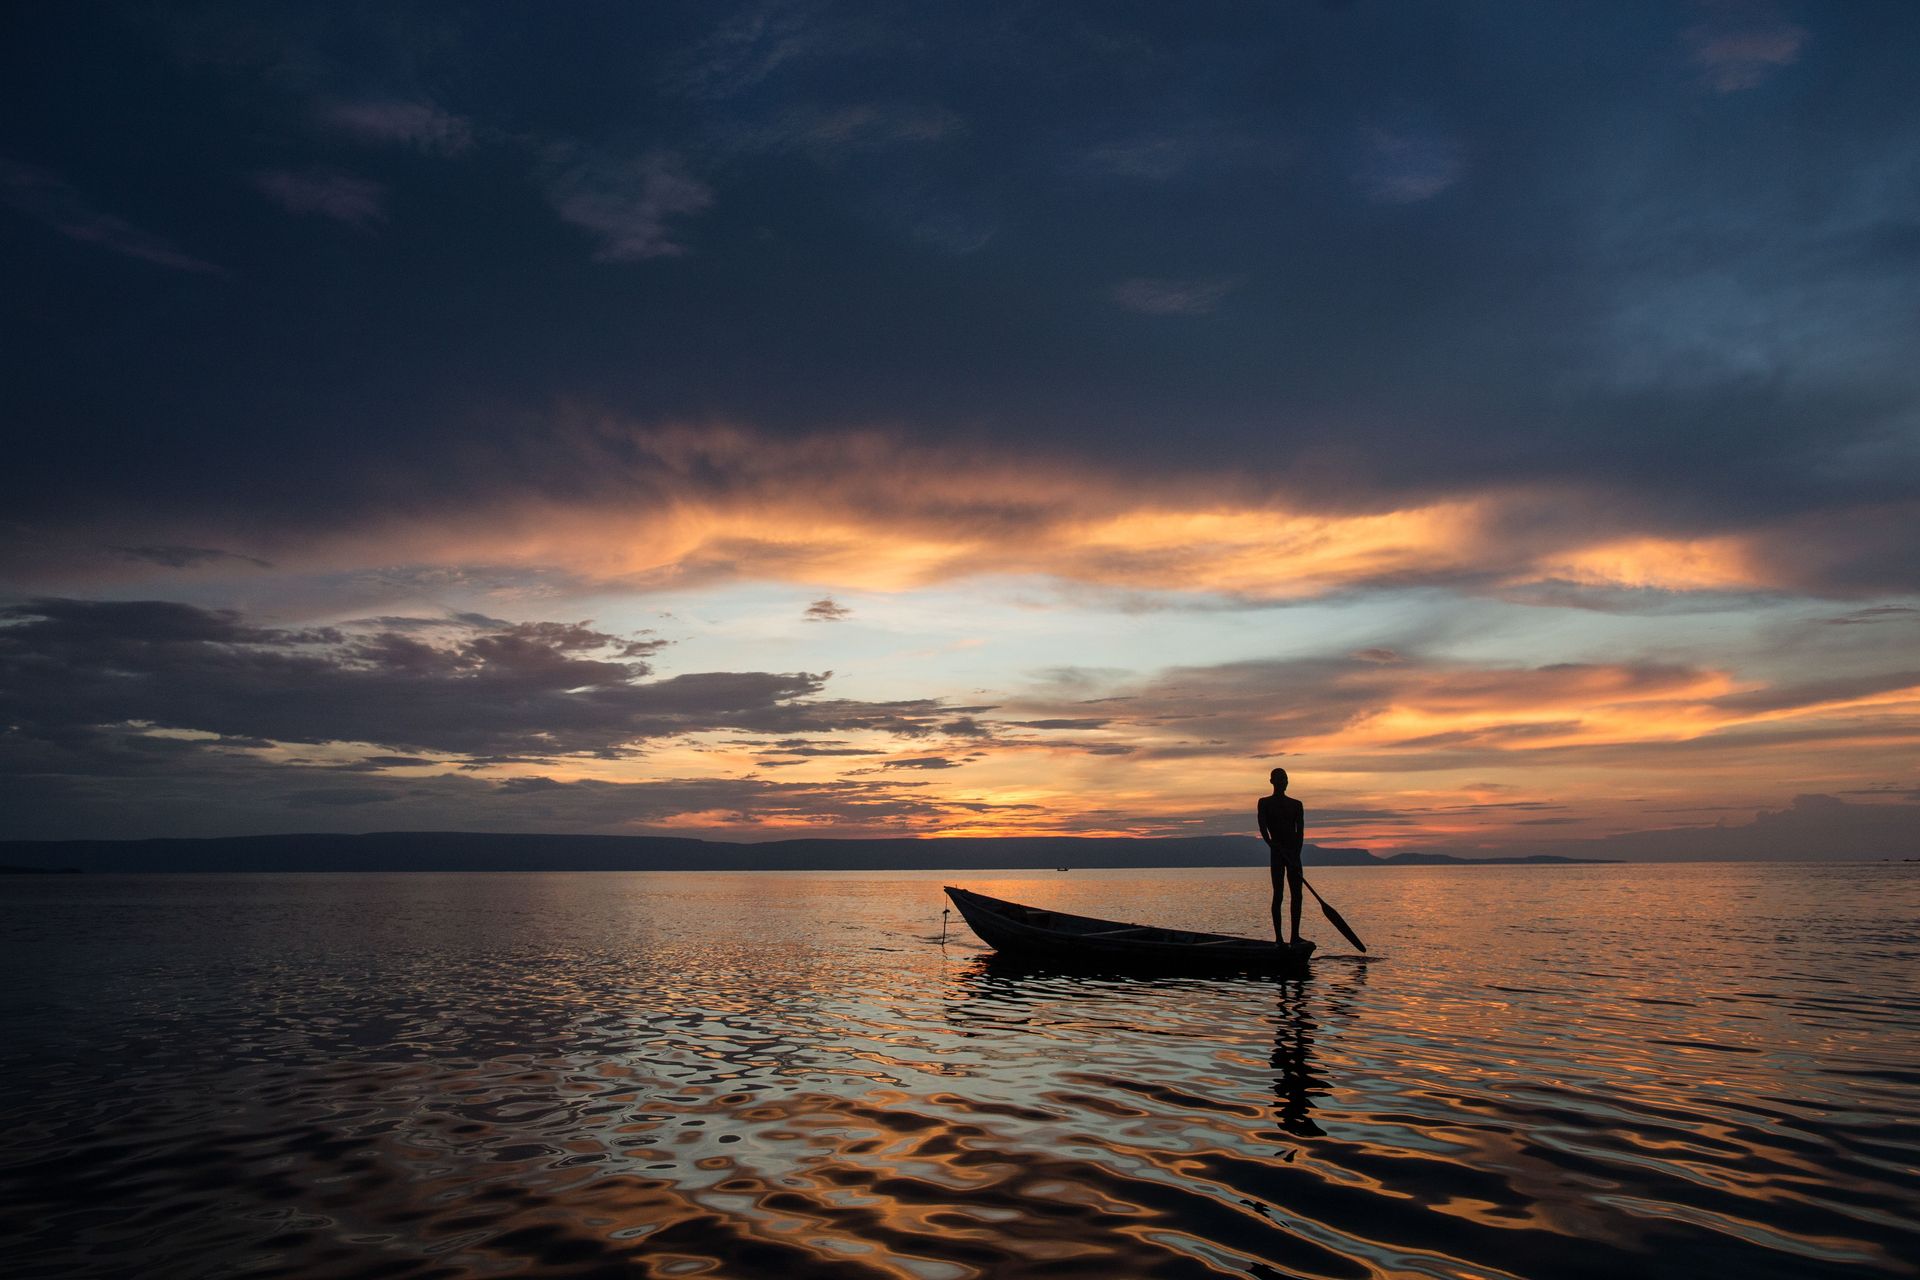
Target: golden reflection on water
[{"x": 1563, "y": 1072}]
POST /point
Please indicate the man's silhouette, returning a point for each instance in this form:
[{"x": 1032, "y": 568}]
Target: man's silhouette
[{"x": 1283, "y": 825}]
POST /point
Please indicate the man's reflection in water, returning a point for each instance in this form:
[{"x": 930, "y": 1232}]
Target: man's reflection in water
[{"x": 1293, "y": 1080}]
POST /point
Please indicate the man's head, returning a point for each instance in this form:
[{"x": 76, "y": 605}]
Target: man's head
[{"x": 1279, "y": 779}]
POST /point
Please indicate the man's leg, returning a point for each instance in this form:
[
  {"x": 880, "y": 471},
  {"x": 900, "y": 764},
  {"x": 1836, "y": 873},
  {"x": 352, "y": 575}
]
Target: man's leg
[
  {"x": 1279, "y": 896},
  {"x": 1297, "y": 879}
]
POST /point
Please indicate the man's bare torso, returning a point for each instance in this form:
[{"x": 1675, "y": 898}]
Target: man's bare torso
[{"x": 1282, "y": 824}]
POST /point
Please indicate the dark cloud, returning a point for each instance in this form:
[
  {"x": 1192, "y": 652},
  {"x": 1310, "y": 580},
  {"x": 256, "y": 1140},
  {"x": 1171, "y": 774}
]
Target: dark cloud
[
  {"x": 528, "y": 786},
  {"x": 825, "y": 610},
  {"x": 187, "y": 557},
  {"x": 228, "y": 793},
  {"x": 406, "y": 623},
  {"x": 1877, "y": 613},
  {"x": 1473, "y": 250},
  {"x": 802, "y": 747},
  {"x": 1814, "y": 693},
  {"x": 1376, "y": 655},
  {"x": 1248, "y": 703},
  {"x": 565, "y": 637},
  {"x": 339, "y": 797},
  {"x": 531, "y": 690},
  {"x": 1558, "y": 593}
]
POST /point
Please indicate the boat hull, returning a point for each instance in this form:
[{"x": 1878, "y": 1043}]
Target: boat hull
[{"x": 1039, "y": 936}]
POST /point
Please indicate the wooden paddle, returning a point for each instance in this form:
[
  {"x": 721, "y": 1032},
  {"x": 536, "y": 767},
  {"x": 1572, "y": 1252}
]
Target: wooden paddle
[{"x": 1333, "y": 917}]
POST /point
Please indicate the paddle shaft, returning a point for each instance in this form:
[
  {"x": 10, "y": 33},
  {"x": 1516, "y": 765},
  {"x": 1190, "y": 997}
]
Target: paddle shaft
[{"x": 1333, "y": 917}]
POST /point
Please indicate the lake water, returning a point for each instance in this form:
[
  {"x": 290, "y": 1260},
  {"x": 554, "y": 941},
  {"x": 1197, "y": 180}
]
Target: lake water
[{"x": 1542, "y": 1072}]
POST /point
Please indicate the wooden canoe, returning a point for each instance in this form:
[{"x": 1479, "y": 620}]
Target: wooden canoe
[{"x": 1053, "y": 937}]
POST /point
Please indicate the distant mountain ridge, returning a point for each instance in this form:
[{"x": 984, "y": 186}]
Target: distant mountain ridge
[{"x": 490, "y": 851}]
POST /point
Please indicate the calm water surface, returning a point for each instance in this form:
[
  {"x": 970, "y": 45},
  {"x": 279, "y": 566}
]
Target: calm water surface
[{"x": 1543, "y": 1072}]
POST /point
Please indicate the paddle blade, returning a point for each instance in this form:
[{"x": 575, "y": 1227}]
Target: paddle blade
[{"x": 1333, "y": 918}]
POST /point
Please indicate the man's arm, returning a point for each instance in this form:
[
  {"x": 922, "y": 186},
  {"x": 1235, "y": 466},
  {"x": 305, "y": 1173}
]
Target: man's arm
[
  {"x": 1260, "y": 817},
  {"x": 1299, "y": 823}
]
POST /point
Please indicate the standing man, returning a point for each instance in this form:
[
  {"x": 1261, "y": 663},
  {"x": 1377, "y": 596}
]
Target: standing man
[{"x": 1283, "y": 825}]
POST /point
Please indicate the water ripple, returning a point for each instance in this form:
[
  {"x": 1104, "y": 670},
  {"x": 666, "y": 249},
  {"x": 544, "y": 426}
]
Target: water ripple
[{"x": 736, "y": 1075}]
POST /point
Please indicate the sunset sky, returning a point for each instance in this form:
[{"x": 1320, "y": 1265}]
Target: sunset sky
[{"x": 803, "y": 418}]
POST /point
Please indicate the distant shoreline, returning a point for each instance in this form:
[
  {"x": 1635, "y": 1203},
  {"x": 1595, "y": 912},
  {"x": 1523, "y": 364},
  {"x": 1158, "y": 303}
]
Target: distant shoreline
[{"x": 489, "y": 851}]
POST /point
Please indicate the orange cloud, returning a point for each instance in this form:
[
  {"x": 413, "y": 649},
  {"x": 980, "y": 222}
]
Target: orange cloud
[
  {"x": 869, "y": 511},
  {"x": 1702, "y": 564},
  {"x": 1401, "y": 754}
]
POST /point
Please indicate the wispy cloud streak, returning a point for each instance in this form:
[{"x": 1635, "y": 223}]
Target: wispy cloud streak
[
  {"x": 1742, "y": 45},
  {"x": 1158, "y": 297},
  {"x": 417, "y": 123},
  {"x": 632, "y": 208},
  {"x": 358, "y": 202},
  {"x": 48, "y": 199}
]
